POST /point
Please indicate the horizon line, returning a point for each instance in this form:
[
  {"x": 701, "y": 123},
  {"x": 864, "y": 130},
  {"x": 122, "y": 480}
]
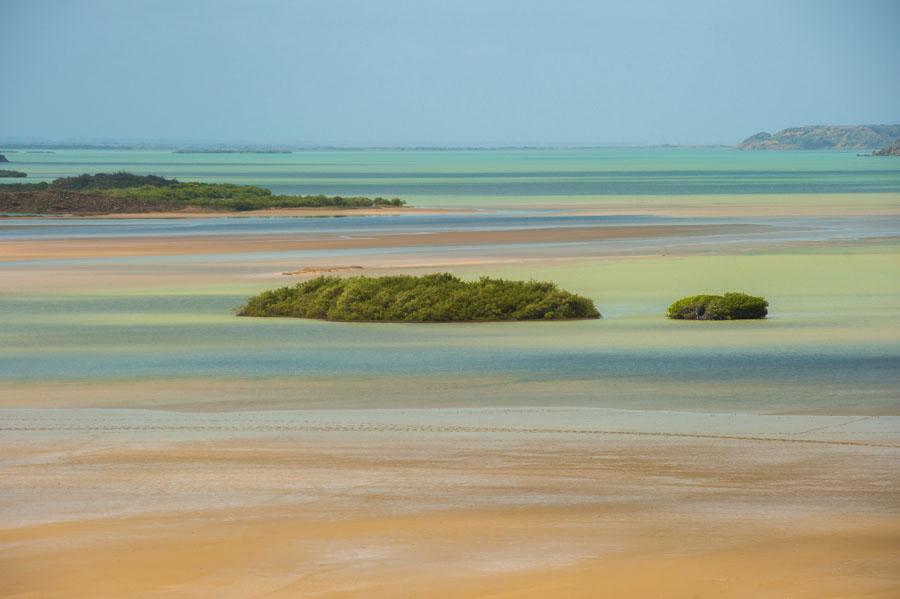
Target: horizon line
[{"x": 16, "y": 143}]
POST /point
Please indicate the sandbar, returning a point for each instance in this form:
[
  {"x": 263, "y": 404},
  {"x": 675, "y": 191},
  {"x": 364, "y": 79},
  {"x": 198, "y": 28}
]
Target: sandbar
[{"x": 42, "y": 249}]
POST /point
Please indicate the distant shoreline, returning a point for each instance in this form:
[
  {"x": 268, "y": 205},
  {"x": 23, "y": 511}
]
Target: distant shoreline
[
  {"x": 231, "y": 151},
  {"x": 179, "y": 148}
]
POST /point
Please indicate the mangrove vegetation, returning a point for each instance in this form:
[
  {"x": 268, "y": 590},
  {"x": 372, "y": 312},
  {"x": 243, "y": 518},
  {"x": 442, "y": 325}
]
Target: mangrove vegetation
[
  {"x": 440, "y": 297},
  {"x": 729, "y": 306},
  {"x": 148, "y": 193}
]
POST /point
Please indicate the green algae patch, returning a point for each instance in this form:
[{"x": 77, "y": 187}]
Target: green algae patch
[
  {"x": 438, "y": 297},
  {"x": 730, "y": 306}
]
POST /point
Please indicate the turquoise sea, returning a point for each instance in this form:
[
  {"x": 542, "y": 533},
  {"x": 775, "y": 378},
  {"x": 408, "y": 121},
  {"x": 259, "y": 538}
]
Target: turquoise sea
[{"x": 444, "y": 177}]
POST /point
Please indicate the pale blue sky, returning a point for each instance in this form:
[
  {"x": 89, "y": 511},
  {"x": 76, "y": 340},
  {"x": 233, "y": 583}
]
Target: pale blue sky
[{"x": 444, "y": 72}]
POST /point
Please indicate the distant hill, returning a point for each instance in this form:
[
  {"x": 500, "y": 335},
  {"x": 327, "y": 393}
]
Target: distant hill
[
  {"x": 824, "y": 137},
  {"x": 891, "y": 150}
]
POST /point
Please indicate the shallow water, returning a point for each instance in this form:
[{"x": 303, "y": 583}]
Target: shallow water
[
  {"x": 467, "y": 177},
  {"x": 790, "y": 229},
  {"x": 832, "y": 343}
]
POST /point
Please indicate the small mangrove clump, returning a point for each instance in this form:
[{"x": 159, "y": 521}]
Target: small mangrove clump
[
  {"x": 439, "y": 297},
  {"x": 730, "y": 306},
  {"x": 6, "y": 173}
]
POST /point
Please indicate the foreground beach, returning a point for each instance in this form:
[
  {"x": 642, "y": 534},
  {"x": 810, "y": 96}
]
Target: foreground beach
[{"x": 451, "y": 503}]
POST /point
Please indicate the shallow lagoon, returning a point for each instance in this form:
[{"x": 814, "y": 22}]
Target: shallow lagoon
[
  {"x": 159, "y": 330},
  {"x": 831, "y": 344},
  {"x": 502, "y": 176}
]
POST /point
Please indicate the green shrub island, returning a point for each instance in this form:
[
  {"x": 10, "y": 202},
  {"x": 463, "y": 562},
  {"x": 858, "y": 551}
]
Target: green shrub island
[
  {"x": 16, "y": 174},
  {"x": 151, "y": 189},
  {"x": 730, "y": 306},
  {"x": 438, "y": 297},
  {"x": 119, "y": 180},
  {"x": 240, "y": 197}
]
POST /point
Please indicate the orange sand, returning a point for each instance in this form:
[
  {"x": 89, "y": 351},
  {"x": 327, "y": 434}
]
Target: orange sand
[{"x": 243, "y": 513}]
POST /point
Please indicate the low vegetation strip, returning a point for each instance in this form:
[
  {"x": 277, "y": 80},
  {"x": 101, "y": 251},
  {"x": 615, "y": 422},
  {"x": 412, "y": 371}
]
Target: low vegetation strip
[
  {"x": 730, "y": 306},
  {"x": 55, "y": 201},
  {"x": 438, "y": 297},
  {"x": 149, "y": 193},
  {"x": 16, "y": 174},
  {"x": 17, "y": 187}
]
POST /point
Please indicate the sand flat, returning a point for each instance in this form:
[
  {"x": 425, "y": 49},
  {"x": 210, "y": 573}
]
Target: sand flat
[
  {"x": 396, "y": 503},
  {"x": 750, "y": 205},
  {"x": 13, "y": 250}
]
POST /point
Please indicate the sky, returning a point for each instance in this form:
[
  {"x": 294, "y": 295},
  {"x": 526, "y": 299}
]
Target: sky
[{"x": 443, "y": 72}]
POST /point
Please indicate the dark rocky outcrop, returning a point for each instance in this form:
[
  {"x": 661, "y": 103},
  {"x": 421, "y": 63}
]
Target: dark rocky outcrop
[
  {"x": 824, "y": 137},
  {"x": 3, "y": 158}
]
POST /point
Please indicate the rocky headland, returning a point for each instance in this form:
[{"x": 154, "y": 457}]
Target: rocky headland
[
  {"x": 824, "y": 137},
  {"x": 891, "y": 150}
]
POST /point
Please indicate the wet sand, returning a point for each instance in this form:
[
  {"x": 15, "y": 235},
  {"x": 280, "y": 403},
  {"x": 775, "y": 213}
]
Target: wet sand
[
  {"x": 447, "y": 503},
  {"x": 269, "y": 212},
  {"x": 688, "y": 205},
  {"x": 43, "y": 249},
  {"x": 733, "y": 206}
]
